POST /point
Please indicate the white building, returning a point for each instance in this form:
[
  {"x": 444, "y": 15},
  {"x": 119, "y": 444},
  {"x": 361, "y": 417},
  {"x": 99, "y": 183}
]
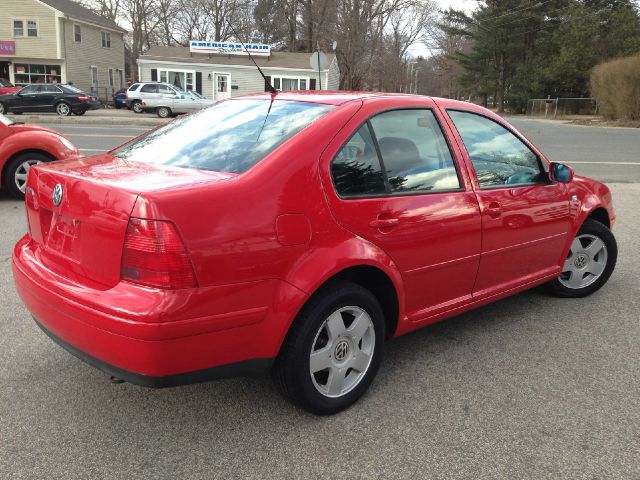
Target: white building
[{"x": 219, "y": 70}]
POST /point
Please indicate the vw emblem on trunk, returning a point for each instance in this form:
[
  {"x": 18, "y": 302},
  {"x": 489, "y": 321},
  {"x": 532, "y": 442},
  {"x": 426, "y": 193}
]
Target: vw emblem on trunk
[{"x": 57, "y": 195}]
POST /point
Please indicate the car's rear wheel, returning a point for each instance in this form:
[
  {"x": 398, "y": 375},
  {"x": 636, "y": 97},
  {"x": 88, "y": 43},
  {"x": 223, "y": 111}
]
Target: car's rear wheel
[
  {"x": 63, "y": 109},
  {"x": 164, "y": 112},
  {"x": 137, "y": 107},
  {"x": 17, "y": 171},
  {"x": 333, "y": 350},
  {"x": 589, "y": 263},
  {"x": 3, "y": 108}
]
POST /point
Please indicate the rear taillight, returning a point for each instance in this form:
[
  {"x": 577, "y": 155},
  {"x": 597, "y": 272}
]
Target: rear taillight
[
  {"x": 154, "y": 255},
  {"x": 83, "y": 98},
  {"x": 126, "y": 94}
]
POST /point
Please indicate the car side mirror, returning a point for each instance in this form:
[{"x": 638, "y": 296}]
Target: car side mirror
[{"x": 559, "y": 172}]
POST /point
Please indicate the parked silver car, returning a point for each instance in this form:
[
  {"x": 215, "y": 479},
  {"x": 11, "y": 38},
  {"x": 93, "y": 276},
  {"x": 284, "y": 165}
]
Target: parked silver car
[
  {"x": 181, "y": 102},
  {"x": 143, "y": 91}
]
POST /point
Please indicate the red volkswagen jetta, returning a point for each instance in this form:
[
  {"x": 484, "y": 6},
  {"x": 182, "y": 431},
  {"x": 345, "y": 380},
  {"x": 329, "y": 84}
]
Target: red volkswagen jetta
[{"x": 299, "y": 232}]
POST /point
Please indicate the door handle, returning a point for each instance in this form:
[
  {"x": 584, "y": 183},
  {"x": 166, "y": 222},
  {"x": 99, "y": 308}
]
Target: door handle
[
  {"x": 493, "y": 210},
  {"x": 384, "y": 223}
]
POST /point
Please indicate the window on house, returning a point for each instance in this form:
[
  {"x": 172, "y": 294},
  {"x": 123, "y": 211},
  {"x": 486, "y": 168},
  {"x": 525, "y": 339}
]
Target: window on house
[
  {"x": 290, "y": 83},
  {"x": 94, "y": 75},
  {"x": 32, "y": 28},
  {"x": 182, "y": 79},
  {"x": 77, "y": 33},
  {"x": 120, "y": 79},
  {"x": 111, "y": 82},
  {"x": 106, "y": 40},
  {"x": 36, "y": 73},
  {"x": 18, "y": 28}
]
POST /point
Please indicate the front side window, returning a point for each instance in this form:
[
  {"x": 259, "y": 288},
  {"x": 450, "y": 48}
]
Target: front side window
[
  {"x": 396, "y": 152},
  {"x": 32, "y": 28},
  {"x": 498, "y": 156},
  {"x": 165, "y": 89},
  {"x": 106, "y": 40},
  {"x": 18, "y": 28},
  {"x": 231, "y": 136}
]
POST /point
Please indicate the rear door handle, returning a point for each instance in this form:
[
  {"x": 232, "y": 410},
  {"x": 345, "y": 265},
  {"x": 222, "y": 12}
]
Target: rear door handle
[
  {"x": 493, "y": 210},
  {"x": 384, "y": 223}
]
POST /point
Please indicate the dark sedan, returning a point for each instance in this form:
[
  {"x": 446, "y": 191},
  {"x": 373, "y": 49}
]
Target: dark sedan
[{"x": 49, "y": 97}]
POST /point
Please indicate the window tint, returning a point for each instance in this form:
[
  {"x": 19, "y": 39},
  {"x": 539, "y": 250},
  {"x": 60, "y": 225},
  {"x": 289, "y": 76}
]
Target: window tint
[
  {"x": 29, "y": 89},
  {"x": 149, "y": 88},
  {"x": 498, "y": 156},
  {"x": 231, "y": 136},
  {"x": 134, "y": 87},
  {"x": 414, "y": 151},
  {"x": 356, "y": 169}
]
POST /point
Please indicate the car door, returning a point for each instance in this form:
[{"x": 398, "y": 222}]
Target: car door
[
  {"x": 47, "y": 93},
  {"x": 27, "y": 99},
  {"x": 395, "y": 182},
  {"x": 525, "y": 216}
]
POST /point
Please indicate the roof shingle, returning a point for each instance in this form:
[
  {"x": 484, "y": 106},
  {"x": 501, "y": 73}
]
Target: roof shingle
[{"x": 77, "y": 11}]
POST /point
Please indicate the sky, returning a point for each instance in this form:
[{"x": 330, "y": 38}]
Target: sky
[{"x": 418, "y": 49}]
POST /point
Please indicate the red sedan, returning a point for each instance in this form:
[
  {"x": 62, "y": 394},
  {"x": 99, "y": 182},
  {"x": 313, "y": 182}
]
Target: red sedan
[
  {"x": 23, "y": 146},
  {"x": 299, "y": 232},
  {"x": 6, "y": 87}
]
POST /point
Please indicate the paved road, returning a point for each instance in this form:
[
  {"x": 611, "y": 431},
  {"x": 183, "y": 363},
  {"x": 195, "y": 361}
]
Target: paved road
[
  {"x": 530, "y": 387},
  {"x": 608, "y": 154}
]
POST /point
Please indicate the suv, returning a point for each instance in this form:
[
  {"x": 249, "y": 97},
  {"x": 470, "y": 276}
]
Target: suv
[{"x": 138, "y": 92}]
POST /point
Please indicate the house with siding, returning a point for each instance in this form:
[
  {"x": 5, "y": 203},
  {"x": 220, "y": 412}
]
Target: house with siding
[
  {"x": 59, "y": 41},
  {"x": 225, "y": 70}
]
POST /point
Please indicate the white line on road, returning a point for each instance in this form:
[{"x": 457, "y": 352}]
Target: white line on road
[{"x": 606, "y": 163}]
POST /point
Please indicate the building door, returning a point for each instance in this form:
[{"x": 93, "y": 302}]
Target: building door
[
  {"x": 222, "y": 86},
  {"x": 4, "y": 70}
]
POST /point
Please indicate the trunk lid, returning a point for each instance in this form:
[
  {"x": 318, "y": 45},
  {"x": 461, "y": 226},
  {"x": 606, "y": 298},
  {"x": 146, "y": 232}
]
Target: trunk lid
[{"x": 78, "y": 211}]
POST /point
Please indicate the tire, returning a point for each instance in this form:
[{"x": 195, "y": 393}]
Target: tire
[
  {"x": 17, "y": 170},
  {"x": 590, "y": 262},
  {"x": 339, "y": 334},
  {"x": 63, "y": 109},
  {"x": 137, "y": 106},
  {"x": 163, "y": 112},
  {"x": 80, "y": 113},
  {"x": 3, "y": 108}
]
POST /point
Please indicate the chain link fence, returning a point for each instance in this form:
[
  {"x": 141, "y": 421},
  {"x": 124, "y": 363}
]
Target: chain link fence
[{"x": 561, "y": 107}]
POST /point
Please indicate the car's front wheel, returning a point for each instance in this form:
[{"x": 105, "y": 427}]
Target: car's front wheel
[
  {"x": 164, "y": 112},
  {"x": 137, "y": 107},
  {"x": 333, "y": 350},
  {"x": 17, "y": 171},
  {"x": 589, "y": 263},
  {"x": 63, "y": 109}
]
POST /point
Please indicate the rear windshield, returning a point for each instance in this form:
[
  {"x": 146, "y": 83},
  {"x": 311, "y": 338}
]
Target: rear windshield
[{"x": 231, "y": 136}]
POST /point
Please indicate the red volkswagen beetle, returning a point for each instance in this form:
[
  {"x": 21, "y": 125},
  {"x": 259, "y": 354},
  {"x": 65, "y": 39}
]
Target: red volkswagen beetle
[
  {"x": 299, "y": 232},
  {"x": 23, "y": 146}
]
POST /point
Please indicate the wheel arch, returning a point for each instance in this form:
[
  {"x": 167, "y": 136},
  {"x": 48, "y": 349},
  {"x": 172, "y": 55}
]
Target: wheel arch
[{"x": 599, "y": 214}]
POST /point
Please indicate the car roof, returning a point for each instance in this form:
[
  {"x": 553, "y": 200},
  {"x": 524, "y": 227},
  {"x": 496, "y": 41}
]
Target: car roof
[{"x": 341, "y": 97}]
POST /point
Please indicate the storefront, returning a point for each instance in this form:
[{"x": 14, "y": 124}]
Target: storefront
[{"x": 220, "y": 70}]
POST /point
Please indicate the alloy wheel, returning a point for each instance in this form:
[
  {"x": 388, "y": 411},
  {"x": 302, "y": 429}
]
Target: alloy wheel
[
  {"x": 63, "y": 109},
  {"x": 585, "y": 263},
  {"x": 342, "y": 351},
  {"x": 22, "y": 173}
]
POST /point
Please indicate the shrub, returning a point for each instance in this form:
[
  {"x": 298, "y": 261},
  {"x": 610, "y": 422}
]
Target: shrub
[{"x": 616, "y": 87}]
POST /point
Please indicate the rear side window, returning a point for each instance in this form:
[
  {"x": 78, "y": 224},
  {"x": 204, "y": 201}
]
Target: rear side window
[
  {"x": 149, "y": 88},
  {"x": 356, "y": 169},
  {"x": 134, "y": 87},
  {"x": 231, "y": 136},
  {"x": 498, "y": 156},
  {"x": 395, "y": 152}
]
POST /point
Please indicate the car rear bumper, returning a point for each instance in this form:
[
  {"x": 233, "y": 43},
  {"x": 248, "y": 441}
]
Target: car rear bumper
[
  {"x": 90, "y": 106},
  {"x": 153, "y": 337}
]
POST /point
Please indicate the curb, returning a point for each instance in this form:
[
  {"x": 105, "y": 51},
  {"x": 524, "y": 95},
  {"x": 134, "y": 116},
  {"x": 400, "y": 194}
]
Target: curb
[{"x": 90, "y": 120}]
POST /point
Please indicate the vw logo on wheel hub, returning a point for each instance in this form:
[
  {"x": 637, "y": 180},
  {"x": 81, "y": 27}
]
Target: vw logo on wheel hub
[
  {"x": 342, "y": 350},
  {"x": 57, "y": 195},
  {"x": 581, "y": 260}
]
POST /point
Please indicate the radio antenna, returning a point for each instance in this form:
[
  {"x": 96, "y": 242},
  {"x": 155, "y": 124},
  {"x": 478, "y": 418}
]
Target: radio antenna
[{"x": 267, "y": 83}]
